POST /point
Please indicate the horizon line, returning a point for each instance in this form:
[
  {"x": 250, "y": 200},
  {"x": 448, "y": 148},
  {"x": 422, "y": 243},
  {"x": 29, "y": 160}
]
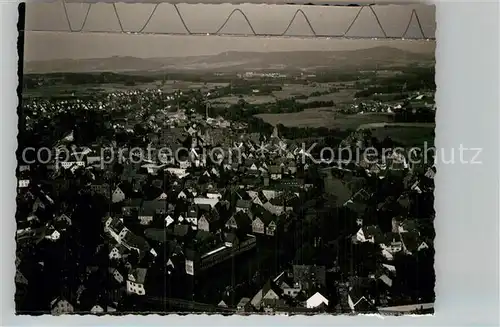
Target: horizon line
[{"x": 234, "y": 51}]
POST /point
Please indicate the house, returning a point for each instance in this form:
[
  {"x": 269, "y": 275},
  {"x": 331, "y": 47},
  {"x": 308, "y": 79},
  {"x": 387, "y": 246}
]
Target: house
[
  {"x": 189, "y": 266},
  {"x": 396, "y": 161},
  {"x": 214, "y": 195},
  {"x": 116, "y": 275},
  {"x": 192, "y": 215},
  {"x": 135, "y": 281},
  {"x": 24, "y": 168},
  {"x": 243, "y": 205},
  {"x": 61, "y": 306},
  {"x": 271, "y": 226},
  {"x": 244, "y": 305},
  {"x": 53, "y": 235},
  {"x": 168, "y": 220},
  {"x": 261, "y": 223},
  {"x": 415, "y": 187},
  {"x": 358, "y": 302},
  {"x": 118, "y": 195},
  {"x": 69, "y": 164},
  {"x": 240, "y": 221},
  {"x": 275, "y": 210},
  {"x": 135, "y": 288},
  {"x": 408, "y": 226},
  {"x": 431, "y": 172},
  {"x": 274, "y": 172},
  {"x": 371, "y": 234},
  {"x": 257, "y": 197},
  {"x": 162, "y": 196},
  {"x": 231, "y": 240},
  {"x": 170, "y": 265},
  {"x": 387, "y": 254},
  {"x": 392, "y": 244},
  {"x": 184, "y": 194},
  {"x": 386, "y": 280},
  {"x": 268, "y": 296},
  {"x": 270, "y": 194},
  {"x": 316, "y": 300},
  {"x": 291, "y": 291},
  {"x": 146, "y": 216},
  {"x": 422, "y": 246},
  {"x": 210, "y": 201},
  {"x": 96, "y": 309},
  {"x": 389, "y": 268},
  {"x": 116, "y": 252},
  {"x": 115, "y": 228},
  {"x": 209, "y": 222}
]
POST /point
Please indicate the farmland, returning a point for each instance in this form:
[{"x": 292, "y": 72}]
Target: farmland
[
  {"x": 324, "y": 117},
  {"x": 407, "y": 135}
]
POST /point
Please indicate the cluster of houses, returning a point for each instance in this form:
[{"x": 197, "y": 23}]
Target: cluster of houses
[
  {"x": 296, "y": 289},
  {"x": 185, "y": 206},
  {"x": 203, "y": 211},
  {"x": 198, "y": 212}
]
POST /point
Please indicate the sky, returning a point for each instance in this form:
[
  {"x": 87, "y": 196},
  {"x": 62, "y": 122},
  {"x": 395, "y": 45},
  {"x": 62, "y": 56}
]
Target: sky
[{"x": 47, "y": 34}]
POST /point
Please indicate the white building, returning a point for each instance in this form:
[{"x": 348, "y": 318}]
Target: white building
[{"x": 316, "y": 300}]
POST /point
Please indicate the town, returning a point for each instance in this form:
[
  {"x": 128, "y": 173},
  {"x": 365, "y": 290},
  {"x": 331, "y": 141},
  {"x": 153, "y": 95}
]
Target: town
[{"x": 191, "y": 196}]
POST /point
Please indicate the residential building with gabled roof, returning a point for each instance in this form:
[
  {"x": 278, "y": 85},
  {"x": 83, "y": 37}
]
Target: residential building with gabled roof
[{"x": 316, "y": 300}]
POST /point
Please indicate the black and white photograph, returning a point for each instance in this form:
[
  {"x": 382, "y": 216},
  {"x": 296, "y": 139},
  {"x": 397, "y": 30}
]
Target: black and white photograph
[{"x": 243, "y": 159}]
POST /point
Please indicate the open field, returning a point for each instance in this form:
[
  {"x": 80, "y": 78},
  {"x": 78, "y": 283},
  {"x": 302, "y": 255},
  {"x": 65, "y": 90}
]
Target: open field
[
  {"x": 324, "y": 117},
  {"x": 251, "y": 99},
  {"x": 291, "y": 90},
  {"x": 410, "y": 135},
  {"x": 342, "y": 96}
]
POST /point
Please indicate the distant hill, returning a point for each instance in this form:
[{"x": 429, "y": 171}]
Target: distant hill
[{"x": 233, "y": 61}]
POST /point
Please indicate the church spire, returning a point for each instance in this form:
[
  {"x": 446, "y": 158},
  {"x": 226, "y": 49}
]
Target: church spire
[{"x": 275, "y": 132}]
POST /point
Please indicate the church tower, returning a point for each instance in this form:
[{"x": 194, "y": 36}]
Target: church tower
[{"x": 275, "y": 132}]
